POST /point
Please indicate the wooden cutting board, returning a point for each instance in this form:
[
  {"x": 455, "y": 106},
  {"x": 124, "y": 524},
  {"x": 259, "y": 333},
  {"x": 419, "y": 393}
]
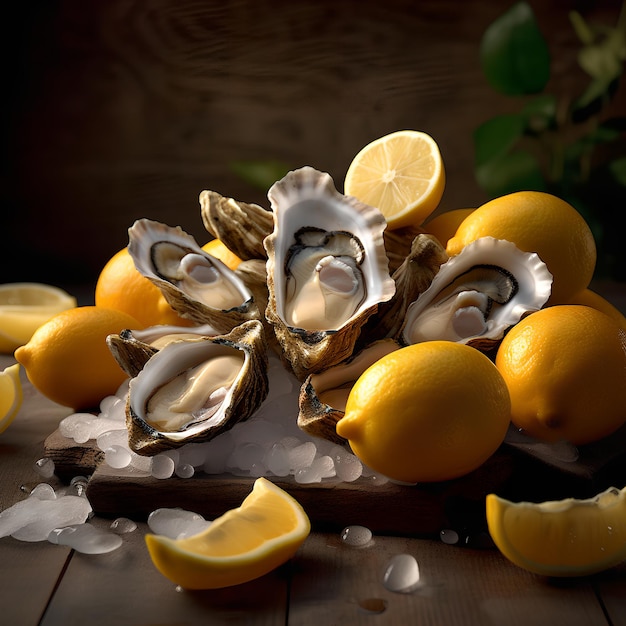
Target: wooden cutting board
[{"x": 517, "y": 471}]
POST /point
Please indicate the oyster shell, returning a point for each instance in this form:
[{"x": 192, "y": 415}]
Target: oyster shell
[
  {"x": 323, "y": 396},
  {"x": 478, "y": 294},
  {"x": 240, "y": 226},
  {"x": 194, "y": 389},
  {"x": 197, "y": 286},
  {"x": 327, "y": 269},
  {"x": 132, "y": 348}
]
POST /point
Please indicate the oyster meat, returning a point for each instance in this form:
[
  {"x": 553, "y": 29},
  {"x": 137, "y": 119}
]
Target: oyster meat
[
  {"x": 194, "y": 389},
  {"x": 478, "y": 294},
  {"x": 327, "y": 270},
  {"x": 197, "y": 286}
]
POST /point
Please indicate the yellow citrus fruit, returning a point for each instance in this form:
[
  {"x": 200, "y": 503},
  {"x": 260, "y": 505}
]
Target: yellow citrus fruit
[
  {"x": 26, "y": 306},
  {"x": 537, "y": 222},
  {"x": 444, "y": 225},
  {"x": 402, "y": 174},
  {"x": 241, "y": 545},
  {"x": 10, "y": 395},
  {"x": 218, "y": 249},
  {"x": 67, "y": 358},
  {"x": 565, "y": 367},
  {"x": 122, "y": 287},
  {"x": 590, "y": 298},
  {"x": 431, "y": 411},
  {"x": 561, "y": 537}
]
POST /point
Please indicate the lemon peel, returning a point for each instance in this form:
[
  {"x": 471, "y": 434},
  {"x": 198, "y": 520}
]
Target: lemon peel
[
  {"x": 561, "y": 538},
  {"x": 241, "y": 545},
  {"x": 11, "y": 395}
]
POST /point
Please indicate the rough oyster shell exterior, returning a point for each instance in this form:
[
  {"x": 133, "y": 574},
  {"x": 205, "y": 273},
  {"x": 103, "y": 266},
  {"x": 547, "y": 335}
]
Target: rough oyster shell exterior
[
  {"x": 240, "y": 226},
  {"x": 305, "y": 203}
]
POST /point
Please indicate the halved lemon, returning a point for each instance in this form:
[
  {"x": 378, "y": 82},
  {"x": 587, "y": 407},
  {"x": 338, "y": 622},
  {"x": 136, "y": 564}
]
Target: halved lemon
[
  {"x": 402, "y": 174},
  {"x": 10, "y": 395},
  {"x": 241, "y": 545},
  {"x": 568, "y": 537},
  {"x": 24, "y": 307}
]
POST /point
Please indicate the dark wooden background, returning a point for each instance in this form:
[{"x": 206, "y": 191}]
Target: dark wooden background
[{"x": 121, "y": 109}]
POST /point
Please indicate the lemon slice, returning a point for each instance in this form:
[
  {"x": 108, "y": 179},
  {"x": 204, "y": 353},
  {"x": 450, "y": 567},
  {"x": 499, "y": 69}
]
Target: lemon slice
[
  {"x": 241, "y": 545},
  {"x": 562, "y": 537},
  {"x": 10, "y": 395},
  {"x": 402, "y": 174},
  {"x": 24, "y": 307}
]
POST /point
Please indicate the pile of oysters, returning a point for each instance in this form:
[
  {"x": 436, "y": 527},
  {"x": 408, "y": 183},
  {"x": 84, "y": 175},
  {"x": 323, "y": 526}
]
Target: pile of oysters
[{"x": 324, "y": 285}]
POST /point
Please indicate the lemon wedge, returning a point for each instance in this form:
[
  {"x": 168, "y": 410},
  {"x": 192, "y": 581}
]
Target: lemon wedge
[
  {"x": 568, "y": 537},
  {"x": 10, "y": 395},
  {"x": 24, "y": 307},
  {"x": 241, "y": 545},
  {"x": 401, "y": 174}
]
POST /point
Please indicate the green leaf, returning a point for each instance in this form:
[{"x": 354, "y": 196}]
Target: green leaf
[
  {"x": 514, "y": 54},
  {"x": 261, "y": 174},
  {"x": 496, "y": 137},
  {"x": 540, "y": 113},
  {"x": 618, "y": 171},
  {"x": 516, "y": 171}
]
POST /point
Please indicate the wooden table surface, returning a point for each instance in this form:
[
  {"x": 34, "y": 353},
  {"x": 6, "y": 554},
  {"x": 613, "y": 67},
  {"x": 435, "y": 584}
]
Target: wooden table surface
[{"x": 326, "y": 583}]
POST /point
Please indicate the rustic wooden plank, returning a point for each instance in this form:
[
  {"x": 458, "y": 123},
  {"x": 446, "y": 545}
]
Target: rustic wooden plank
[
  {"x": 460, "y": 586},
  {"x": 123, "y": 587},
  {"x": 412, "y": 510}
]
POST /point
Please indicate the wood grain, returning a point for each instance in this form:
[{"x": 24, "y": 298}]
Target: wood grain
[
  {"x": 123, "y": 109},
  {"x": 460, "y": 586}
]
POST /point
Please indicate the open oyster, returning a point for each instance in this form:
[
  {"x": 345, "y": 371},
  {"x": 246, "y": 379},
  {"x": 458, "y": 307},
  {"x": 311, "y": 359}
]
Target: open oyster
[
  {"x": 132, "y": 348},
  {"x": 323, "y": 396},
  {"x": 197, "y": 286},
  {"x": 194, "y": 389},
  {"x": 478, "y": 294},
  {"x": 327, "y": 269}
]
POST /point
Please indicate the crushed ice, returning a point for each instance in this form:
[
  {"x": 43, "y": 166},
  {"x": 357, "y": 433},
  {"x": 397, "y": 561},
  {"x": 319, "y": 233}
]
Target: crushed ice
[{"x": 270, "y": 443}]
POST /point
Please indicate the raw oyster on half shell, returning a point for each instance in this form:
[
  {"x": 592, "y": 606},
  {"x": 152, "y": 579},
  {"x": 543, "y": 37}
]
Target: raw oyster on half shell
[
  {"x": 327, "y": 270},
  {"x": 478, "y": 295},
  {"x": 194, "y": 389},
  {"x": 197, "y": 286}
]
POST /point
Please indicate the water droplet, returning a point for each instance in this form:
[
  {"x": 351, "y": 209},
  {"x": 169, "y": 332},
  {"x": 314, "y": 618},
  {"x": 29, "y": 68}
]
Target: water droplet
[
  {"x": 373, "y": 605},
  {"x": 402, "y": 574},
  {"x": 448, "y": 536},
  {"x": 356, "y": 536},
  {"x": 178, "y": 589},
  {"x": 123, "y": 525},
  {"x": 44, "y": 467}
]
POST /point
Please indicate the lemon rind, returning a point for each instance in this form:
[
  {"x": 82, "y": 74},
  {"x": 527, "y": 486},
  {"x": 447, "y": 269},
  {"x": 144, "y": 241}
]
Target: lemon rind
[{"x": 496, "y": 506}]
